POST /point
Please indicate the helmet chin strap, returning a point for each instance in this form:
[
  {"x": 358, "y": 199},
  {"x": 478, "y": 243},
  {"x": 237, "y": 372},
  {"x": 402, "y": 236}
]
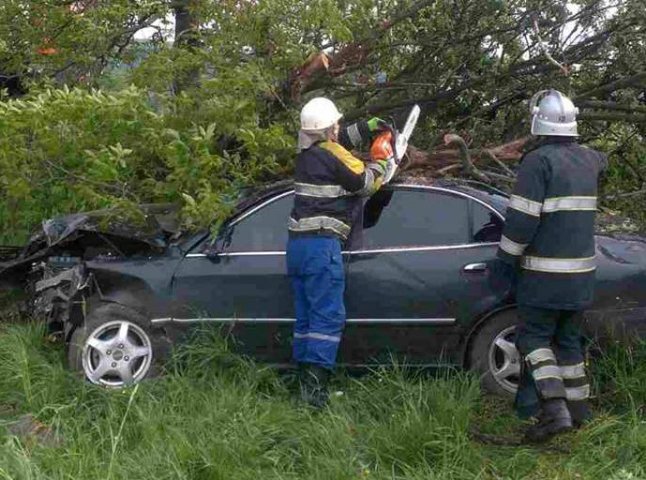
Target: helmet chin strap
[{"x": 333, "y": 133}]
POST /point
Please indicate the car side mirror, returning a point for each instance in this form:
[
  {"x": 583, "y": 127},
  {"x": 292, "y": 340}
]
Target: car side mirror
[{"x": 219, "y": 244}]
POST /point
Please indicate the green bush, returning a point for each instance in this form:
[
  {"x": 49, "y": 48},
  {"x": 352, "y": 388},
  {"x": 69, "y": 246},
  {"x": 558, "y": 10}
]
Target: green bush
[{"x": 64, "y": 151}]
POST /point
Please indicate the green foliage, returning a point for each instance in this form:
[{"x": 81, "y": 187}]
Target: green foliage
[
  {"x": 64, "y": 151},
  {"x": 192, "y": 122},
  {"x": 81, "y": 36},
  {"x": 626, "y": 172}
]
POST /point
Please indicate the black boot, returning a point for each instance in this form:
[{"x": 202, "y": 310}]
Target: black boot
[
  {"x": 313, "y": 382},
  {"x": 580, "y": 413},
  {"x": 554, "y": 418}
]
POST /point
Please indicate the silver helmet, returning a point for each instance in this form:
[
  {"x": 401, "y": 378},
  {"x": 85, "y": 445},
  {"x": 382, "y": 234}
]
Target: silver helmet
[{"x": 553, "y": 114}]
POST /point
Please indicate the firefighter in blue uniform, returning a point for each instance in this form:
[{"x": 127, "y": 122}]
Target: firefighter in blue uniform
[
  {"x": 329, "y": 184},
  {"x": 548, "y": 246}
]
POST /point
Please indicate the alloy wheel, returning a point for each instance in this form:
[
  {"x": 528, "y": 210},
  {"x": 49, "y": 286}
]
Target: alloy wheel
[
  {"x": 117, "y": 354},
  {"x": 504, "y": 360}
]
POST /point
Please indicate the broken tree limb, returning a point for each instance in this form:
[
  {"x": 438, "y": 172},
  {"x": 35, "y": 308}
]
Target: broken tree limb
[
  {"x": 500, "y": 178},
  {"x": 639, "y": 79},
  {"x": 450, "y": 168},
  {"x": 613, "y": 117},
  {"x": 442, "y": 157},
  {"x": 601, "y": 105},
  {"x": 636, "y": 193},
  {"x": 564, "y": 68},
  {"x": 467, "y": 164},
  {"x": 493, "y": 157},
  {"x": 349, "y": 55}
]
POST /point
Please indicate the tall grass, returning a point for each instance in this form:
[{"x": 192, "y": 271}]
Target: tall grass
[{"x": 217, "y": 416}]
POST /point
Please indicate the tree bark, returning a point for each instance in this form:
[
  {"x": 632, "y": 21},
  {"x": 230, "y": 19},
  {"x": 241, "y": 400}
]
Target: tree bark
[
  {"x": 186, "y": 25},
  {"x": 444, "y": 157},
  {"x": 601, "y": 105},
  {"x": 613, "y": 117},
  {"x": 634, "y": 80}
]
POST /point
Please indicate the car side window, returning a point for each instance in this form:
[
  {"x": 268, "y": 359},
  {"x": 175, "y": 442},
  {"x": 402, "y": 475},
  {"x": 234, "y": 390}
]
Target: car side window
[
  {"x": 408, "y": 217},
  {"x": 264, "y": 230},
  {"x": 486, "y": 224}
]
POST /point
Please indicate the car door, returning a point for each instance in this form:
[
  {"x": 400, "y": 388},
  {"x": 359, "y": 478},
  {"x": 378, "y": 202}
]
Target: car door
[
  {"x": 420, "y": 276},
  {"x": 245, "y": 286}
]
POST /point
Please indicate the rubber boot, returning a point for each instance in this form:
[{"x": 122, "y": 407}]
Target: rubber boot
[
  {"x": 555, "y": 418},
  {"x": 314, "y": 381},
  {"x": 580, "y": 413}
]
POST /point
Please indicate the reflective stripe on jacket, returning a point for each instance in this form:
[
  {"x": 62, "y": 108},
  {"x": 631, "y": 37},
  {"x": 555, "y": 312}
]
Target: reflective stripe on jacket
[{"x": 549, "y": 231}]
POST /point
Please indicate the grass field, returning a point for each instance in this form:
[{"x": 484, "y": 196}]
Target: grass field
[{"x": 216, "y": 416}]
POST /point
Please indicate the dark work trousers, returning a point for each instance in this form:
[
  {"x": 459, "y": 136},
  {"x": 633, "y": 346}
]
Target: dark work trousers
[
  {"x": 551, "y": 347},
  {"x": 315, "y": 268}
]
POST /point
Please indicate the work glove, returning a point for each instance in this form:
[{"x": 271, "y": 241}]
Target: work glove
[
  {"x": 376, "y": 125},
  {"x": 387, "y": 168}
]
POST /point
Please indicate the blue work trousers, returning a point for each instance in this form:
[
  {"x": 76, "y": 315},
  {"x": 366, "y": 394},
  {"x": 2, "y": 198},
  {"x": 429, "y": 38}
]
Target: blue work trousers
[{"x": 315, "y": 268}]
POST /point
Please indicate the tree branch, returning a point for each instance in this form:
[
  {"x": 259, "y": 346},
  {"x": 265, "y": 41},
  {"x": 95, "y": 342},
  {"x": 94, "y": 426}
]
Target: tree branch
[
  {"x": 601, "y": 105},
  {"x": 467, "y": 164},
  {"x": 632, "y": 81},
  {"x": 613, "y": 117},
  {"x": 564, "y": 69}
]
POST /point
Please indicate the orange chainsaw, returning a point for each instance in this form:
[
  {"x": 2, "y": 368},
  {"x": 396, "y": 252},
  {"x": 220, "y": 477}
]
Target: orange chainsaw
[{"x": 391, "y": 145}]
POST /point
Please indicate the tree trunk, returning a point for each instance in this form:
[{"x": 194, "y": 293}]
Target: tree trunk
[{"x": 186, "y": 25}]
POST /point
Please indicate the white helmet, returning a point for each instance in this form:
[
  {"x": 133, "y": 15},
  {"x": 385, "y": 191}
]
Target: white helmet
[
  {"x": 553, "y": 114},
  {"x": 318, "y": 114}
]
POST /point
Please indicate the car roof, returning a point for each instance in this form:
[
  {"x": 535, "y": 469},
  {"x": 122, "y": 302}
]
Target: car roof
[
  {"x": 484, "y": 192},
  {"x": 492, "y": 196}
]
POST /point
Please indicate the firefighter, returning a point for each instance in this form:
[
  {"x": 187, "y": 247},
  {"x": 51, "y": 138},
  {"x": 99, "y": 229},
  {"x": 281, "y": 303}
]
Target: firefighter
[
  {"x": 329, "y": 185},
  {"x": 548, "y": 245}
]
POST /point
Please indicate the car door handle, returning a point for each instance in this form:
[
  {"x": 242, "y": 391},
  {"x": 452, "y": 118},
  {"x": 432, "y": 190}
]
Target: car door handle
[{"x": 475, "y": 267}]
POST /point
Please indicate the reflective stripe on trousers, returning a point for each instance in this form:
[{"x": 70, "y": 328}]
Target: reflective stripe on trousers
[
  {"x": 546, "y": 338},
  {"x": 558, "y": 265},
  {"x": 546, "y": 373},
  {"x": 318, "y": 336},
  {"x": 577, "y": 386}
]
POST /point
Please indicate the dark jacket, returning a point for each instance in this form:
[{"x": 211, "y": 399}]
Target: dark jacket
[
  {"x": 329, "y": 184},
  {"x": 549, "y": 231}
]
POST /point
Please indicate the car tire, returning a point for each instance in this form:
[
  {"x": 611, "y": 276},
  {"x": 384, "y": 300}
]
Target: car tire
[
  {"x": 493, "y": 355},
  {"x": 116, "y": 347}
]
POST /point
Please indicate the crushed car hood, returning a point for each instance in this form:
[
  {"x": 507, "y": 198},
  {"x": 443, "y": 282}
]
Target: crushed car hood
[
  {"x": 158, "y": 228},
  {"x": 159, "y": 222}
]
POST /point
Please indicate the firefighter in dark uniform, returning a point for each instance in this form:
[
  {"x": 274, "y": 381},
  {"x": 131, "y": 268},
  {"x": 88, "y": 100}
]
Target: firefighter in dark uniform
[
  {"x": 329, "y": 185},
  {"x": 548, "y": 247}
]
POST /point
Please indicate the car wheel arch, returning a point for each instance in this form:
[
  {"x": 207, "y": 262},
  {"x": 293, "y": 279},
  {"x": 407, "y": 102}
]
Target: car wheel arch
[{"x": 468, "y": 339}]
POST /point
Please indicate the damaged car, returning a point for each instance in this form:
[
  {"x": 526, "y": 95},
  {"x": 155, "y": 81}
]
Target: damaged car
[{"x": 418, "y": 285}]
